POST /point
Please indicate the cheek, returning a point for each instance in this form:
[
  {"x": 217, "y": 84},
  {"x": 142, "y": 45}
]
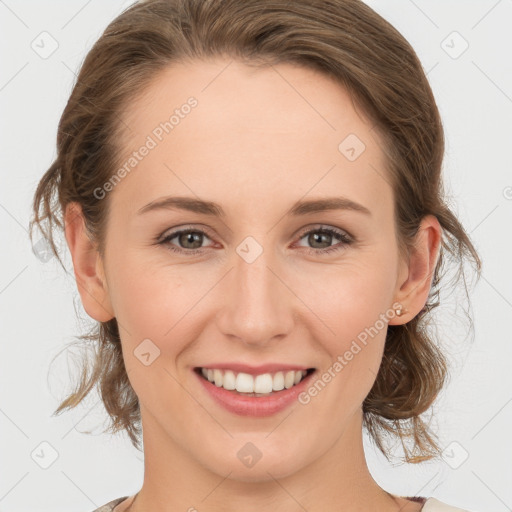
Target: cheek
[
  {"x": 353, "y": 297},
  {"x": 156, "y": 305},
  {"x": 355, "y": 306},
  {"x": 149, "y": 300}
]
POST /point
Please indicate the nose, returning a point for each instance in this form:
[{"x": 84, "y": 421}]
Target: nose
[{"x": 257, "y": 306}]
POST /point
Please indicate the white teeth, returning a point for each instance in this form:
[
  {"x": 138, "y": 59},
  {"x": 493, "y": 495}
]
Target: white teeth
[
  {"x": 229, "y": 380},
  {"x": 244, "y": 383},
  {"x": 217, "y": 377},
  {"x": 278, "y": 382},
  {"x": 289, "y": 379},
  {"x": 259, "y": 384},
  {"x": 263, "y": 383}
]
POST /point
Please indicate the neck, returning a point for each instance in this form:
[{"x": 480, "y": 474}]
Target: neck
[{"x": 338, "y": 479}]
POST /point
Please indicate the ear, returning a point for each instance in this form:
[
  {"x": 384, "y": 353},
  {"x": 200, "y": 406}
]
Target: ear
[
  {"x": 88, "y": 266},
  {"x": 416, "y": 275}
]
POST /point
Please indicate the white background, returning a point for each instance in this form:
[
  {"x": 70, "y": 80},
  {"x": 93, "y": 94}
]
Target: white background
[{"x": 38, "y": 300}]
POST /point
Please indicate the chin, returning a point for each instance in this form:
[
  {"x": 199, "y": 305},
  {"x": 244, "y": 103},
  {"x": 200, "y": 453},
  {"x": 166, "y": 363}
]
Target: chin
[{"x": 256, "y": 460}]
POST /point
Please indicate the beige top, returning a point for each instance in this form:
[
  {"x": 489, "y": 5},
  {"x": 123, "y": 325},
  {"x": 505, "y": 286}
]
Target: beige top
[{"x": 429, "y": 505}]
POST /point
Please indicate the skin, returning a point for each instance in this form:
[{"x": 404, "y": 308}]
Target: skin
[{"x": 258, "y": 137}]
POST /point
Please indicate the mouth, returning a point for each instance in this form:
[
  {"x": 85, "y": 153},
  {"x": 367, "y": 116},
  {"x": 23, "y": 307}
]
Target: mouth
[{"x": 261, "y": 385}]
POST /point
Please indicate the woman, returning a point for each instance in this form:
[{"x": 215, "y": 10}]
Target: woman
[{"x": 251, "y": 344}]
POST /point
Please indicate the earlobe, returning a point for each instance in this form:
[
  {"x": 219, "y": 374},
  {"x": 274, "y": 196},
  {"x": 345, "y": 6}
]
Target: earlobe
[
  {"x": 87, "y": 265},
  {"x": 413, "y": 292}
]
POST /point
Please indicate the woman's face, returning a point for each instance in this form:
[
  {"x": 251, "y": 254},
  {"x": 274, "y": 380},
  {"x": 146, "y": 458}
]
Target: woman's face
[{"x": 253, "y": 285}]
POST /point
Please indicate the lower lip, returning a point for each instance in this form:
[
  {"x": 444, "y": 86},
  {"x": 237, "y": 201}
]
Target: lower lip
[{"x": 254, "y": 405}]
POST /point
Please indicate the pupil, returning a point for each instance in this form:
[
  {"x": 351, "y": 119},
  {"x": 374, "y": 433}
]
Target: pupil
[
  {"x": 318, "y": 237},
  {"x": 191, "y": 237}
]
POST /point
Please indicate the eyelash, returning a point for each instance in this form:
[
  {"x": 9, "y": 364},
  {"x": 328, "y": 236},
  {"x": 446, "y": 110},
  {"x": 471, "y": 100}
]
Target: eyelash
[{"x": 345, "y": 239}]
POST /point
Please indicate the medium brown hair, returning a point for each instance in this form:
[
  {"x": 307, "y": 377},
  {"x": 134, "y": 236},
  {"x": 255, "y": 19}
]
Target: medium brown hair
[{"x": 344, "y": 39}]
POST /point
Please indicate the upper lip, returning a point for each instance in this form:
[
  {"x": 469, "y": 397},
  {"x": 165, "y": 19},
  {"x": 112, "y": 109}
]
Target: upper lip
[{"x": 255, "y": 370}]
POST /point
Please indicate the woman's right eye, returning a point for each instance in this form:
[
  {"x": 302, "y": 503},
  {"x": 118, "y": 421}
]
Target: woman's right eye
[{"x": 184, "y": 237}]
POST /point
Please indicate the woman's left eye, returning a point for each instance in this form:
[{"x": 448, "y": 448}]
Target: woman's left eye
[
  {"x": 190, "y": 240},
  {"x": 324, "y": 235}
]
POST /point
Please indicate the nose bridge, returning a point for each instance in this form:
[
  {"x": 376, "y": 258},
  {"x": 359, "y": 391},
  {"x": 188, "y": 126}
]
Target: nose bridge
[{"x": 257, "y": 305}]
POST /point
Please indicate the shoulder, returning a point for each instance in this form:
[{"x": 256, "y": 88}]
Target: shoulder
[
  {"x": 434, "y": 505},
  {"x": 108, "y": 507}
]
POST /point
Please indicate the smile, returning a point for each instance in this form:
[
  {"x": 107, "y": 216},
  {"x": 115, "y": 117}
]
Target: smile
[{"x": 254, "y": 385}]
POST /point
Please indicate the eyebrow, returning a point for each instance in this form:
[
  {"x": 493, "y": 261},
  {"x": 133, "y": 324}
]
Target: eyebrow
[{"x": 303, "y": 207}]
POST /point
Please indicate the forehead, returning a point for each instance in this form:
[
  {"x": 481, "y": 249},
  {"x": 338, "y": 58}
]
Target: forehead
[{"x": 220, "y": 125}]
